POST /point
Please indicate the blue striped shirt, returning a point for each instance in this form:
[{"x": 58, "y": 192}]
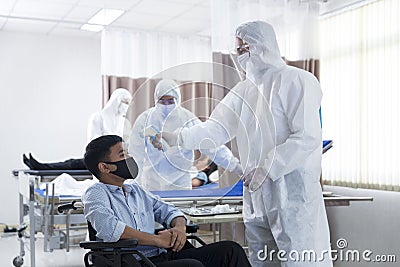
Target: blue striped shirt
[{"x": 109, "y": 211}]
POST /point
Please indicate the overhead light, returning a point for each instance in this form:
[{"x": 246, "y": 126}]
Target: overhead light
[
  {"x": 106, "y": 16},
  {"x": 92, "y": 28}
]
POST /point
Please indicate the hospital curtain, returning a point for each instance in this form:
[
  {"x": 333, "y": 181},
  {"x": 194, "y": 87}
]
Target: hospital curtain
[
  {"x": 138, "y": 54},
  {"x": 310, "y": 65},
  {"x": 360, "y": 53}
]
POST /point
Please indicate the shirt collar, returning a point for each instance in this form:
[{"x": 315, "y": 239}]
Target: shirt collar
[
  {"x": 113, "y": 188},
  {"x": 128, "y": 188}
]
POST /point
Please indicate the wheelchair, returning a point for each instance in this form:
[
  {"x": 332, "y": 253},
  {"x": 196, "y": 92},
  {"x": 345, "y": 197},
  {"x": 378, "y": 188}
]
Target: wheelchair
[{"x": 120, "y": 253}]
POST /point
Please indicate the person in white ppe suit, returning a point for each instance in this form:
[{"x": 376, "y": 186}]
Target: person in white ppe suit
[
  {"x": 112, "y": 118},
  {"x": 170, "y": 169},
  {"x": 274, "y": 116}
]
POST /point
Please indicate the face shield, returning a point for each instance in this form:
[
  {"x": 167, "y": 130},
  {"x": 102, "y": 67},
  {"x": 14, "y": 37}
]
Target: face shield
[
  {"x": 167, "y": 96},
  {"x": 118, "y": 103},
  {"x": 260, "y": 46}
]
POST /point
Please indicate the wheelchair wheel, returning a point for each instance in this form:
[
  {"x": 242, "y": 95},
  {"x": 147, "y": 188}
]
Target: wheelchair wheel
[{"x": 18, "y": 261}]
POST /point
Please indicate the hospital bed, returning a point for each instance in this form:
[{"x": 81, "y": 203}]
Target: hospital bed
[{"x": 38, "y": 210}]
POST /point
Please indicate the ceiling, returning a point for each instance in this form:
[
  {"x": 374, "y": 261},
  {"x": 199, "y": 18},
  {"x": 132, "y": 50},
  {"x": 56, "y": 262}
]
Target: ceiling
[{"x": 65, "y": 17}]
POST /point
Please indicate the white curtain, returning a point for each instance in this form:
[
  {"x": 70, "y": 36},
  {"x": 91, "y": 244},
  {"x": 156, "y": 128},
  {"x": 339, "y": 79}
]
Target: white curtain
[
  {"x": 146, "y": 54},
  {"x": 360, "y": 78},
  {"x": 295, "y": 23}
]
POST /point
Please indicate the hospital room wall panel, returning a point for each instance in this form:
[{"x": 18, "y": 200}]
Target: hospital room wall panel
[
  {"x": 49, "y": 88},
  {"x": 365, "y": 226}
]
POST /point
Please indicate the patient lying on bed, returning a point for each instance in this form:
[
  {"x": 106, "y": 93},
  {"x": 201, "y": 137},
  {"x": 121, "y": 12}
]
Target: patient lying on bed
[
  {"x": 204, "y": 167},
  {"x": 70, "y": 164},
  {"x": 118, "y": 210}
]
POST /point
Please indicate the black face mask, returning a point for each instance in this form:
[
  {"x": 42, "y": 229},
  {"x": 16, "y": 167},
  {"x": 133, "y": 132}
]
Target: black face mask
[{"x": 126, "y": 168}]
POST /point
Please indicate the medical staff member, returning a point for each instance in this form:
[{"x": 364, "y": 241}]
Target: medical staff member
[
  {"x": 274, "y": 116},
  {"x": 170, "y": 169},
  {"x": 112, "y": 118}
]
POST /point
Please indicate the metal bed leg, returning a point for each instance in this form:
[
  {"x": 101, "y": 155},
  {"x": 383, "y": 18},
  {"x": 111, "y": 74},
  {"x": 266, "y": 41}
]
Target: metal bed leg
[
  {"x": 21, "y": 222},
  {"x": 46, "y": 219},
  {"x": 51, "y": 226},
  {"x": 234, "y": 232},
  {"x": 67, "y": 230},
  {"x": 219, "y": 231},
  {"x": 32, "y": 221},
  {"x": 19, "y": 260},
  {"x": 214, "y": 232}
]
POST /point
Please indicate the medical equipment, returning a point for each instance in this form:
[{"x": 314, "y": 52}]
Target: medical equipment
[
  {"x": 151, "y": 131},
  {"x": 217, "y": 210},
  {"x": 37, "y": 208}
]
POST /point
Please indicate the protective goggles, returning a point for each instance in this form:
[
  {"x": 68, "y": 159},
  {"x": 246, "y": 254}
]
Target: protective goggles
[
  {"x": 166, "y": 101},
  {"x": 241, "y": 49}
]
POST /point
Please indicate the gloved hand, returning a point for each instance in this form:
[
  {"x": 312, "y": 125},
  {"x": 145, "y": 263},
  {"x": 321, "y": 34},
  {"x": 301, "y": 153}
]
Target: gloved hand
[
  {"x": 164, "y": 140},
  {"x": 170, "y": 138},
  {"x": 155, "y": 141},
  {"x": 248, "y": 177},
  {"x": 255, "y": 178}
]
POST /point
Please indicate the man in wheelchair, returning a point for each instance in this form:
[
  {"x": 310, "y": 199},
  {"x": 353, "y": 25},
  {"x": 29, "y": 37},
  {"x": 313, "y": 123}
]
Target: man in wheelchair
[{"x": 124, "y": 211}]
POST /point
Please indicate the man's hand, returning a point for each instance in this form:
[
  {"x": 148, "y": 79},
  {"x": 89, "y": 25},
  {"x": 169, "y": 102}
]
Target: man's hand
[
  {"x": 178, "y": 231},
  {"x": 178, "y": 238},
  {"x": 163, "y": 239}
]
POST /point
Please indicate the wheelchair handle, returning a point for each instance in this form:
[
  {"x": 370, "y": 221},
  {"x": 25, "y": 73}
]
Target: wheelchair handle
[{"x": 74, "y": 205}]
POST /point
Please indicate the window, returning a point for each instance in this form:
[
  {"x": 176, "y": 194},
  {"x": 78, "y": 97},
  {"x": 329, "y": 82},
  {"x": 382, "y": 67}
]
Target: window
[{"x": 360, "y": 78}]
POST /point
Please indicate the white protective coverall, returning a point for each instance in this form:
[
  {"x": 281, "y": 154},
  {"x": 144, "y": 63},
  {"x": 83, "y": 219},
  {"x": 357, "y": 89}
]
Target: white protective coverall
[
  {"x": 170, "y": 169},
  {"x": 274, "y": 116},
  {"x": 111, "y": 119}
]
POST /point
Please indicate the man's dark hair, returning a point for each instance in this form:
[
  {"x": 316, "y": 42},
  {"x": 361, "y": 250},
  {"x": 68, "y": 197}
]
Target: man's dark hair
[{"x": 98, "y": 151}]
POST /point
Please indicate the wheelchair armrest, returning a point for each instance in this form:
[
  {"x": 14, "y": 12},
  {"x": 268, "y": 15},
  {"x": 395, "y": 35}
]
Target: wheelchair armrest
[
  {"x": 123, "y": 243},
  {"x": 74, "y": 205},
  {"x": 190, "y": 229}
]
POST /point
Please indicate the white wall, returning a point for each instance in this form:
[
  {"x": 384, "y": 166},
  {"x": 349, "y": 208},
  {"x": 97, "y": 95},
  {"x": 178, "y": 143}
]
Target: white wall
[
  {"x": 367, "y": 225},
  {"x": 49, "y": 87}
]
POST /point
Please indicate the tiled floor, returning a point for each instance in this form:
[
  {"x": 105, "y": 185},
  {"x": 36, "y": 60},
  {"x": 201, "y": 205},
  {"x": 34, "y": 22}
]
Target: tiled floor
[{"x": 10, "y": 248}]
